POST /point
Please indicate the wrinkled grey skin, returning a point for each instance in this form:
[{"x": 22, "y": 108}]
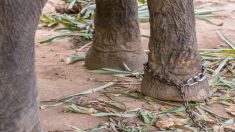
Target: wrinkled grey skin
[{"x": 18, "y": 93}]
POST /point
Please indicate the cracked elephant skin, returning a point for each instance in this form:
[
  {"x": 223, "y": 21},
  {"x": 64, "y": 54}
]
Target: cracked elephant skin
[{"x": 19, "y": 111}]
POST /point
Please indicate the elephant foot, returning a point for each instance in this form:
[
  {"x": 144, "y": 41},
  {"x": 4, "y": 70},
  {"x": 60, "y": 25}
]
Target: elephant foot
[
  {"x": 162, "y": 91},
  {"x": 96, "y": 59}
]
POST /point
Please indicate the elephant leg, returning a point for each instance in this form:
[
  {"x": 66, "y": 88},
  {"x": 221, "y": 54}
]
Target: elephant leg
[
  {"x": 19, "y": 111},
  {"x": 117, "y": 38},
  {"x": 174, "y": 55}
]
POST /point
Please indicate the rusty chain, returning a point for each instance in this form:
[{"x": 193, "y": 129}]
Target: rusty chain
[{"x": 181, "y": 86}]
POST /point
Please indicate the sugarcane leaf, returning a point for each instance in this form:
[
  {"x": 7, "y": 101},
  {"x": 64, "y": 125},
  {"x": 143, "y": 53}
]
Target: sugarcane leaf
[
  {"x": 221, "y": 66},
  {"x": 66, "y": 35},
  {"x": 78, "y": 109},
  {"x": 226, "y": 40},
  {"x": 90, "y": 90},
  {"x": 73, "y": 59}
]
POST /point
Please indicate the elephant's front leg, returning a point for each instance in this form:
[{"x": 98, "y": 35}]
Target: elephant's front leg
[
  {"x": 18, "y": 93},
  {"x": 117, "y": 37}
]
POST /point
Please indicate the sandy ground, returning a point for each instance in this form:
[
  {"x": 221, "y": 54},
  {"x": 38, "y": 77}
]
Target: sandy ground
[{"x": 55, "y": 79}]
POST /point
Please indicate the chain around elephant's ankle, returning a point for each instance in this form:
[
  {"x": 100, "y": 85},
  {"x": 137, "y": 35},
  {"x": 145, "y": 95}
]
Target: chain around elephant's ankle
[{"x": 200, "y": 77}]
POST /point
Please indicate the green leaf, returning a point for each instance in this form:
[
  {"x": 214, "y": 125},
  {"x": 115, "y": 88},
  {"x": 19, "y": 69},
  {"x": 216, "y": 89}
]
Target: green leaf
[
  {"x": 226, "y": 40},
  {"x": 173, "y": 110},
  {"x": 110, "y": 114},
  {"x": 78, "y": 109},
  {"x": 141, "y": 1},
  {"x": 74, "y": 59},
  {"x": 221, "y": 66},
  {"x": 66, "y": 35},
  {"x": 147, "y": 117}
]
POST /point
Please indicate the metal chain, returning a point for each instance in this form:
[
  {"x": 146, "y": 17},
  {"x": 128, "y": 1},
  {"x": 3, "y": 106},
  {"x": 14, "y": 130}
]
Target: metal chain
[
  {"x": 189, "y": 111},
  {"x": 189, "y": 83}
]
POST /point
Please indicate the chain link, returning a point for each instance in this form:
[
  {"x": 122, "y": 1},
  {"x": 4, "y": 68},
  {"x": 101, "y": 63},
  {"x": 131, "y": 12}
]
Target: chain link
[{"x": 181, "y": 86}]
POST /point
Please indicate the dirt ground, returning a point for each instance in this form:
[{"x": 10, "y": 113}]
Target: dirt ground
[{"x": 56, "y": 79}]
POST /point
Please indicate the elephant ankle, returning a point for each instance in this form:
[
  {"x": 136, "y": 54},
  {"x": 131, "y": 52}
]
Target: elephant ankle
[
  {"x": 160, "y": 90},
  {"x": 96, "y": 59}
]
